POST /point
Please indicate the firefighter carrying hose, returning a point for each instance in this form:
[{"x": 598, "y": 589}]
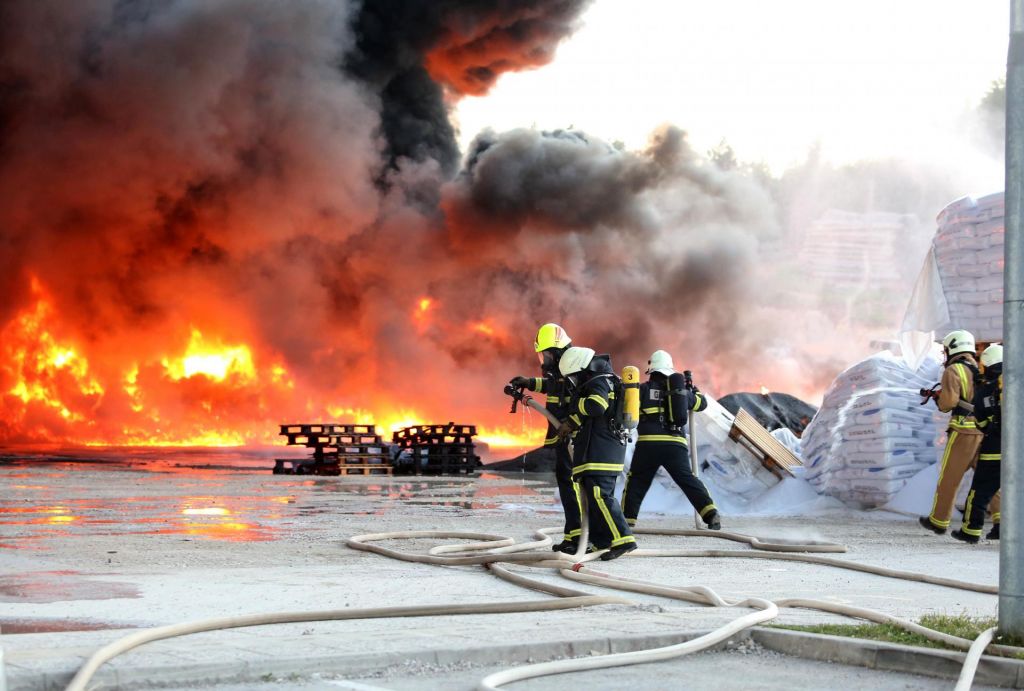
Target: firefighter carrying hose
[
  {"x": 665, "y": 400},
  {"x": 988, "y": 401},
  {"x": 599, "y": 446},
  {"x": 963, "y": 435},
  {"x": 551, "y": 343}
]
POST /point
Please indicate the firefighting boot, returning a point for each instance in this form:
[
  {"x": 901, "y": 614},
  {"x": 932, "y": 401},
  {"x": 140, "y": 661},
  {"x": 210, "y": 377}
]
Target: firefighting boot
[
  {"x": 616, "y": 552},
  {"x": 964, "y": 537},
  {"x": 714, "y": 522},
  {"x": 566, "y": 547},
  {"x": 994, "y": 533},
  {"x": 926, "y": 522}
]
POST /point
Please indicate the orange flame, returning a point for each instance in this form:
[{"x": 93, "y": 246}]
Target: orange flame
[{"x": 205, "y": 388}]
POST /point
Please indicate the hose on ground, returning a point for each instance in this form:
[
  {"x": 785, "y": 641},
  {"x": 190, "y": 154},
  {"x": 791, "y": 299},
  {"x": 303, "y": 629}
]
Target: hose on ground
[
  {"x": 492, "y": 551},
  {"x": 123, "y": 645},
  {"x": 973, "y": 658}
]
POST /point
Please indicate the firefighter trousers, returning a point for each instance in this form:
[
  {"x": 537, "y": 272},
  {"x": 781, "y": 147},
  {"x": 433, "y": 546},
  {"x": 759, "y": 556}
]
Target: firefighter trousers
[
  {"x": 608, "y": 527},
  {"x": 961, "y": 453},
  {"x": 568, "y": 491},
  {"x": 983, "y": 488},
  {"x": 675, "y": 458}
]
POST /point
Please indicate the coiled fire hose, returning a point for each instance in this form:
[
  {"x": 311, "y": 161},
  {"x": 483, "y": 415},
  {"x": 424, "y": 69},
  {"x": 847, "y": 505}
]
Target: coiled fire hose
[{"x": 492, "y": 551}]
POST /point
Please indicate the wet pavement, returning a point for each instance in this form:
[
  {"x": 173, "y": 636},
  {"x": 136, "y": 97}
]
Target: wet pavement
[
  {"x": 90, "y": 551},
  {"x": 177, "y": 494}
]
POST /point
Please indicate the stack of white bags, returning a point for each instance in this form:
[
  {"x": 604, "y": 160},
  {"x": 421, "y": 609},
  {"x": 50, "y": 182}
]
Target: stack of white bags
[
  {"x": 969, "y": 253},
  {"x": 871, "y": 434}
]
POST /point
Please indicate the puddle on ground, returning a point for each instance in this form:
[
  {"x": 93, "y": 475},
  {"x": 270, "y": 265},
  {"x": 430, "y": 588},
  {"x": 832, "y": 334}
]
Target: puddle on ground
[
  {"x": 244, "y": 503},
  {"x": 60, "y": 586}
]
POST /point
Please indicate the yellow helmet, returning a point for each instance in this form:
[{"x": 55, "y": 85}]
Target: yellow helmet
[{"x": 551, "y": 336}]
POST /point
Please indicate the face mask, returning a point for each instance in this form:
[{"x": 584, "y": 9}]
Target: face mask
[{"x": 547, "y": 360}]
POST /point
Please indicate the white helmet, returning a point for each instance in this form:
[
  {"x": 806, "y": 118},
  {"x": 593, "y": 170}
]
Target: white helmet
[
  {"x": 575, "y": 360},
  {"x": 993, "y": 355},
  {"x": 959, "y": 341},
  {"x": 660, "y": 362}
]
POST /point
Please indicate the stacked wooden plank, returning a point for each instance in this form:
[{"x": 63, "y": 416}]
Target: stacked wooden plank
[
  {"x": 338, "y": 449},
  {"x": 437, "y": 449}
]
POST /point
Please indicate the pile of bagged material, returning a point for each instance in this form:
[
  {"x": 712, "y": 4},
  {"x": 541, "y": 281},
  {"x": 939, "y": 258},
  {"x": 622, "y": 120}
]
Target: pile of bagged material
[
  {"x": 961, "y": 282},
  {"x": 969, "y": 254},
  {"x": 871, "y": 434}
]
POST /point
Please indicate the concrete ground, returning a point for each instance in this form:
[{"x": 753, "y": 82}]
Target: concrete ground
[{"x": 88, "y": 552}]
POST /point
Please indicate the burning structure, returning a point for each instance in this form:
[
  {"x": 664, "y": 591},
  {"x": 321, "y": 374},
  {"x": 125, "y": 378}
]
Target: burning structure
[{"x": 216, "y": 217}]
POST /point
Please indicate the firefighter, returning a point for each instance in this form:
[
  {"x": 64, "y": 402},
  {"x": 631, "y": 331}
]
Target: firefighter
[
  {"x": 551, "y": 342},
  {"x": 963, "y": 436},
  {"x": 599, "y": 447},
  {"x": 665, "y": 402},
  {"x": 988, "y": 401}
]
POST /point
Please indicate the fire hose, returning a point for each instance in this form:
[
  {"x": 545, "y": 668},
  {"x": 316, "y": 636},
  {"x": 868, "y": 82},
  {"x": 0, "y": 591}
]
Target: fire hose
[{"x": 492, "y": 551}]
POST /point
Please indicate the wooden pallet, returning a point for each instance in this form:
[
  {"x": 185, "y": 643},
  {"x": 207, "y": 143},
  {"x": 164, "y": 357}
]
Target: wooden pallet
[
  {"x": 328, "y": 428},
  {"x": 365, "y": 469},
  {"x": 302, "y": 466},
  {"x": 772, "y": 454},
  {"x": 311, "y": 440},
  {"x": 437, "y": 449},
  {"x": 419, "y": 435}
]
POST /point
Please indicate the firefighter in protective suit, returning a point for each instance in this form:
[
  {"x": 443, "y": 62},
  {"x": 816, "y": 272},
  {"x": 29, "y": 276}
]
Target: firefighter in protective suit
[
  {"x": 963, "y": 436},
  {"x": 599, "y": 447},
  {"x": 661, "y": 441},
  {"x": 551, "y": 342},
  {"x": 988, "y": 412}
]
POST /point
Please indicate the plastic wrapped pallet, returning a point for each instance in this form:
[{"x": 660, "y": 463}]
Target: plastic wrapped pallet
[
  {"x": 961, "y": 283},
  {"x": 871, "y": 434}
]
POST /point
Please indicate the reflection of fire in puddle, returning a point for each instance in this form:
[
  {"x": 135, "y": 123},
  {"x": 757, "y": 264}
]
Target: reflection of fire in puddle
[
  {"x": 242, "y": 504},
  {"x": 60, "y": 586}
]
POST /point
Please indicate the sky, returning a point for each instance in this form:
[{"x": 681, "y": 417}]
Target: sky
[{"x": 863, "y": 80}]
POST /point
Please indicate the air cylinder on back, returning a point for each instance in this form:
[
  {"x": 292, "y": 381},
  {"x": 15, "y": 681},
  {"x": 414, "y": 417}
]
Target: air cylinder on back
[
  {"x": 678, "y": 401},
  {"x": 631, "y": 397}
]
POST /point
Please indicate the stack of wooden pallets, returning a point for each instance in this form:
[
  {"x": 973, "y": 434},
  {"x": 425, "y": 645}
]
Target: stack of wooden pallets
[
  {"x": 437, "y": 449},
  {"x": 338, "y": 449}
]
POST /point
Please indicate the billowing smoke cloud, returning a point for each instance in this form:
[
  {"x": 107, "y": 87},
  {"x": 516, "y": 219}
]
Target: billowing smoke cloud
[{"x": 271, "y": 189}]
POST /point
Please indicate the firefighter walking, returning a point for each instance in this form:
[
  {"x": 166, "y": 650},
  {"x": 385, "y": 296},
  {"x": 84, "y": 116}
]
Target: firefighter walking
[
  {"x": 550, "y": 344},
  {"x": 963, "y": 436},
  {"x": 665, "y": 401},
  {"x": 599, "y": 447},
  {"x": 988, "y": 413}
]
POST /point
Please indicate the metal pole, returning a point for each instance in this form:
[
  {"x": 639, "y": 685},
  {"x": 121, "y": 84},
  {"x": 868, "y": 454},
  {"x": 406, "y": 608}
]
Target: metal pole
[
  {"x": 695, "y": 466},
  {"x": 1011, "y": 554}
]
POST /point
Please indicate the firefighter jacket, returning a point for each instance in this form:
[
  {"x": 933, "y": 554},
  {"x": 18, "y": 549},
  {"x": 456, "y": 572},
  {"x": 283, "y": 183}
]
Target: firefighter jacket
[
  {"x": 558, "y": 397},
  {"x": 655, "y": 421},
  {"x": 958, "y": 385},
  {"x": 598, "y": 448}
]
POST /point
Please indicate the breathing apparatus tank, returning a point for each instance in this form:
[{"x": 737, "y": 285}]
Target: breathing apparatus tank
[
  {"x": 630, "y": 398},
  {"x": 677, "y": 400}
]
